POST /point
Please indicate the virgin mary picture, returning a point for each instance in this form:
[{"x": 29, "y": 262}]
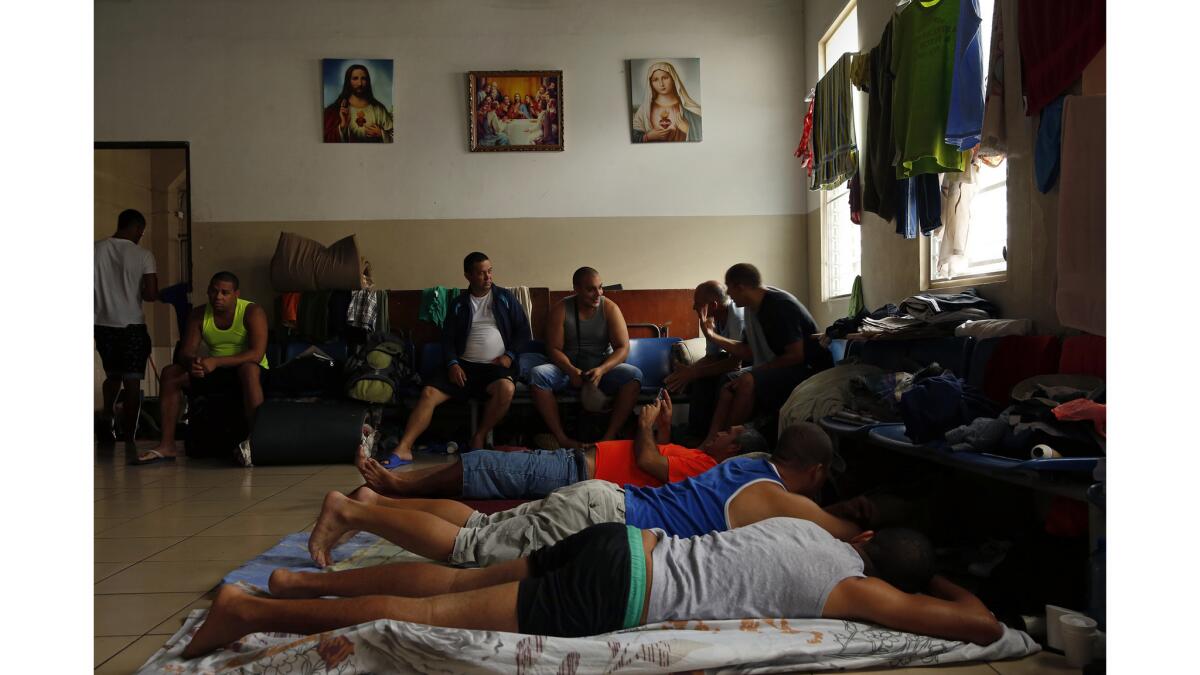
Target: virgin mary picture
[{"x": 665, "y": 97}]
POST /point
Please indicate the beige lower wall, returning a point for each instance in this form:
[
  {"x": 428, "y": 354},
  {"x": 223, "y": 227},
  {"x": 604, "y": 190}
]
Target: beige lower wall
[{"x": 639, "y": 252}]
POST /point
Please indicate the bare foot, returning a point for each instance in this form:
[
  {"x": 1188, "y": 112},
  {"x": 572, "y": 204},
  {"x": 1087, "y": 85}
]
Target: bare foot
[
  {"x": 330, "y": 527},
  {"x": 225, "y": 623},
  {"x": 378, "y": 478},
  {"x": 164, "y": 450}
]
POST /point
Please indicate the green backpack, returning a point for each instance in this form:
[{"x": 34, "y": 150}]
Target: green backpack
[{"x": 381, "y": 370}]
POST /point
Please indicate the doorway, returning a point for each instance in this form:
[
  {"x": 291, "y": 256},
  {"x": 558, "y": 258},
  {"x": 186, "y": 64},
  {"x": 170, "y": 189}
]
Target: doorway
[{"x": 154, "y": 178}]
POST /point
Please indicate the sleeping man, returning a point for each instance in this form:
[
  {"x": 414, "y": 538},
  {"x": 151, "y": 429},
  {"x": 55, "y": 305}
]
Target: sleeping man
[
  {"x": 735, "y": 493},
  {"x": 643, "y": 462},
  {"x": 612, "y": 576}
]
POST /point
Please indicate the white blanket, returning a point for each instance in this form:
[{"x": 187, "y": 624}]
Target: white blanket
[{"x": 747, "y": 646}]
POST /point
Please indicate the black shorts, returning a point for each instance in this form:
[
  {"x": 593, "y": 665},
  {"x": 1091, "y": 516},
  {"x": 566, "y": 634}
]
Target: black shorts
[
  {"x": 579, "y": 586},
  {"x": 479, "y": 376},
  {"x": 123, "y": 351},
  {"x": 772, "y": 387},
  {"x": 220, "y": 381}
]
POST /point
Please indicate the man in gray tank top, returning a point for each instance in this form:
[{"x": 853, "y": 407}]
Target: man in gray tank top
[
  {"x": 587, "y": 342},
  {"x": 610, "y": 577}
]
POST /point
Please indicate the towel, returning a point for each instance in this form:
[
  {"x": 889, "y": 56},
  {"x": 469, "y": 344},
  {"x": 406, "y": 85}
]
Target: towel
[
  {"x": 525, "y": 300},
  {"x": 1081, "y": 216},
  {"x": 435, "y": 301},
  {"x": 833, "y": 127},
  {"x": 363, "y": 310}
]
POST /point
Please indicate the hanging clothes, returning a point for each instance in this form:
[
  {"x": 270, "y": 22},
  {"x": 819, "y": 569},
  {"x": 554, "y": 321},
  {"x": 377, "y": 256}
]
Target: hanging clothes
[
  {"x": 1058, "y": 40},
  {"x": 958, "y": 191},
  {"x": 836, "y": 149},
  {"x": 857, "y": 304},
  {"x": 804, "y": 150},
  {"x": 1048, "y": 145},
  {"x": 1080, "y": 298},
  {"x": 993, "y": 141},
  {"x": 964, "y": 122},
  {"x": 363, "y": 310},
  {"x": 860, "y": 71},
  {"x": 435, "y": 300},
  {"x": 856, "y": 199},
  {"x": 920, "y": 205},
  {"x": 923, "y": 65},
  {"x": 312, "y": 316},
  {"x": 879, "y": 177}
]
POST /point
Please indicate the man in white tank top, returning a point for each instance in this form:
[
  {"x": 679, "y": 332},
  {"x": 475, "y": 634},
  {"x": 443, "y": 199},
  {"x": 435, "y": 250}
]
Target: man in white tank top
[{"x": 610, "y": 576}]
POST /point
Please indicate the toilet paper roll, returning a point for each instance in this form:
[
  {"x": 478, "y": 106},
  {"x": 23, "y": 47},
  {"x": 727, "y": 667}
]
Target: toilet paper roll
[{"x": 1044, "y": 452}]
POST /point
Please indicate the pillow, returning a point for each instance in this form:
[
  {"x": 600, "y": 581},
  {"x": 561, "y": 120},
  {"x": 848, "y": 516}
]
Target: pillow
[
  {"x": 687, "y": 352},
  {"x": 302, "y": 264}
]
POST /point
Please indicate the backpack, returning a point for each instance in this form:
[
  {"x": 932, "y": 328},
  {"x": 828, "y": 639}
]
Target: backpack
[{"x": 382, "y": 370}]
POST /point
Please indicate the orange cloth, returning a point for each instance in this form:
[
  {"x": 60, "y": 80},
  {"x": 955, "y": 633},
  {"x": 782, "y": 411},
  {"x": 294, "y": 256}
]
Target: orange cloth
[
  {"x": 616, "y": 463},
  {"x": 291, "y": 307}
]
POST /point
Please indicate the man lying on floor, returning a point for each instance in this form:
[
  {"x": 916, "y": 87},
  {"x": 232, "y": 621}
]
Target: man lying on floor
[
  {"x": 642, "y": 462},
  {"x": 735, "y": 493},
  {"x": 611, "y": 576}
]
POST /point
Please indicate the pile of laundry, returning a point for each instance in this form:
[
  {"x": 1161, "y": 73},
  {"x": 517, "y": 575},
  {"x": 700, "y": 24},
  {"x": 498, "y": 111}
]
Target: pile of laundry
[{"x": 919, "y": 316}]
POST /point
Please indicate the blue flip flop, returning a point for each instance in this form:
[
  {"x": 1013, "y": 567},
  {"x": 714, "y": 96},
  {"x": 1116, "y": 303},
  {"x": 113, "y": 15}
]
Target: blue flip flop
[{"x": 394, "y": 462}]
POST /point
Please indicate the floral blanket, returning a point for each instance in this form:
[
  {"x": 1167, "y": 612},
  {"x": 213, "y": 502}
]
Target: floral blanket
[{"x": 736, "y": 646}]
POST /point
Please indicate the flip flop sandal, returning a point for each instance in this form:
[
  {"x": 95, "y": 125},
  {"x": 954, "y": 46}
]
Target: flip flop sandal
[
  {"x": 155, "y": 457},
  {"x": 394, "y": 462}
]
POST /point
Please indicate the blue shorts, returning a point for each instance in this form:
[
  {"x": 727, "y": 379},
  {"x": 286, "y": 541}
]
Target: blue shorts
[
  {"x": 550, "y": 376},
  {"x": 491, "y": 474}
]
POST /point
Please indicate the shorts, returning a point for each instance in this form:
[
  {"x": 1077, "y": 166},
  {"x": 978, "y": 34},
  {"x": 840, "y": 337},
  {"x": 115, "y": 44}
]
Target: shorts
[
  {"x": 590, "y": 583},
  {"x": 220, "y": 381},
  {"x": 123, "y": 351},
  {"x": 772, "y": 387},
  {"x": 479, "y": 377},
  {"x": 488, "y": 474},
  {"x": 550, "y": 376},
  {"x": 517, "y": 532}
]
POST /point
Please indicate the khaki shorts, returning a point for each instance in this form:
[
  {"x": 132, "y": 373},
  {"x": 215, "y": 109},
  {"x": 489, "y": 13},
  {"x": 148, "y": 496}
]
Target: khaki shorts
[{"x": 516, "y": 533}]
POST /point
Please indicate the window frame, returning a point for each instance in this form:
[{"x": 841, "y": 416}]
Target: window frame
[{"x": 825, "y": 233}]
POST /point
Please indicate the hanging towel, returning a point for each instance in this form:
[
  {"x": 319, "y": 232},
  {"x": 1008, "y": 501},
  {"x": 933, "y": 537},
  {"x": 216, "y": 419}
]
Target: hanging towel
[
  {"x": 993, "y": 141},
  {"x": 836, "y": 149},
  {"x": 805, "y": 151},
  {"x": 290, "y": 307},
  {"x": 1058, "y": 40},
  {"x": 525, "y": 300},
  {"x": 857, "y": 304},
  {"x": 958, "y": 190},
  {"x": 434, "y": 302},
  {"x": 964, "y": 123},
  {"x": 363, "y": 310},
  {"x": 1081, "y": 216}
]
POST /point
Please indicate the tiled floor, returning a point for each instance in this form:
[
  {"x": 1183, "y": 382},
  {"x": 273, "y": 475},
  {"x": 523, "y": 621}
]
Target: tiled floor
[{"x": 166, "y": 534}]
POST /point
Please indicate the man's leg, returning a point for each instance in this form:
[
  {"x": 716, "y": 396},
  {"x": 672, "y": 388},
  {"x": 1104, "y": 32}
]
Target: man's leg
[
  {"x": 742, "y": 400},
  {"x": 544, "y": 381},
  {"x": 626, "y": 379},
  {"x": 721, "y": 414},
  {"x": 444, "y": 480},
  {"x": 411, "y": 580},
  {"x": 450, "y": 510},
  {"x": 418, "y": 420},
  {"x": 500, "y": 395},
  {"x": 236, "y": 613},
  {"x": 170, "y": 395},
  {"x": 131, "y": 408},
  {"x": 110, "y": 389},
  {"x": 702, "y": 402},
  {"x": 414, "y": 530},
  {"x": 250, "y": 377}
]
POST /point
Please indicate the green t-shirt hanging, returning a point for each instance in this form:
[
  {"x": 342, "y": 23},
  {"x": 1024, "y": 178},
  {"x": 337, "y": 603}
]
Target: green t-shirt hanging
[{"x": 923, "y": 36}]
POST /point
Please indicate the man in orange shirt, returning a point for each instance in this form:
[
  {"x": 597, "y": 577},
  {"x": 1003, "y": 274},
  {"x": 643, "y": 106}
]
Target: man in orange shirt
[{"x": 646, "y": 461}]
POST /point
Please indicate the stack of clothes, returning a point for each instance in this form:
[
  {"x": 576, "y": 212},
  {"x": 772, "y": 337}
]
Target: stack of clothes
[{"x": 924, "y": 315}]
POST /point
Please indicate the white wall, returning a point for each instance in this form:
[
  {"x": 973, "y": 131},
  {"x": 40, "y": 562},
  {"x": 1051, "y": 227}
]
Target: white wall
[{"x": 241, "y": 81}]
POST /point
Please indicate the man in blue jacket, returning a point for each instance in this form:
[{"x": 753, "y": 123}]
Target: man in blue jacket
[{"x": 485, "y": 329}]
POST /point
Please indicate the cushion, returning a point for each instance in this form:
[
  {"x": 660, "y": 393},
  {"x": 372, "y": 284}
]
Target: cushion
[
  {"x": 302, "y": 264},
  {"x": 687, "y": 352}
]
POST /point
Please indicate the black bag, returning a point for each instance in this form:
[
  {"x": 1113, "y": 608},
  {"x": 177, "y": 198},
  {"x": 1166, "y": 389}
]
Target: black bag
[
  {"x": 315, "y": 374},
  {"x": 382, "y": 370},
  {"x": 306, "y": 432},
  {"x": 216, "y": 424}
]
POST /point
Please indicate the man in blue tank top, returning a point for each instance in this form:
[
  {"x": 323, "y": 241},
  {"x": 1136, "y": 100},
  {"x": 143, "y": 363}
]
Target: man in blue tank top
[
  {"x": 735, "y": 493},
  {"x": 235, "y": 332},
  {"x": 611, "y": 577}
]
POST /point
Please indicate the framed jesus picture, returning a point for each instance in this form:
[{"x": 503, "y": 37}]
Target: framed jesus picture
[
  {"x": 515, "y": 110},
  {"x": 356, "y": 100},
  {"x": 664, "y": 96}
]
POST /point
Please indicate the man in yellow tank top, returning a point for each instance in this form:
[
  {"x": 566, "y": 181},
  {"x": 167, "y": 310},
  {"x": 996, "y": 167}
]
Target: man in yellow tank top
[{"x": 235, "y": 332}]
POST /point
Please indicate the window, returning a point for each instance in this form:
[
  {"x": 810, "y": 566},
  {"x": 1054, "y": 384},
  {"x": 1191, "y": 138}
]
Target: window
[
  {"x": 980, "y": 250},
  {"x": 841, "y": 239}
]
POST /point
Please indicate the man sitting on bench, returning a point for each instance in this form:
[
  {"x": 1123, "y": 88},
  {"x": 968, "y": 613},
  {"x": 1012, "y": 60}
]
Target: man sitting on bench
[
  {"x": 484, "y": 330},
  {"x": 643, "y": 462},
  {"x": 235, "y": 332},
  {"x": 611, "y": 577},
  {"x": 737, "y": 492},
  {"x": 587, "y": 342}
]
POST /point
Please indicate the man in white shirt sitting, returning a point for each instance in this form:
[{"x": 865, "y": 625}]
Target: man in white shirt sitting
[
  {"x": 123, "y": 276},
  {"x": 485, "y": 329}
]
